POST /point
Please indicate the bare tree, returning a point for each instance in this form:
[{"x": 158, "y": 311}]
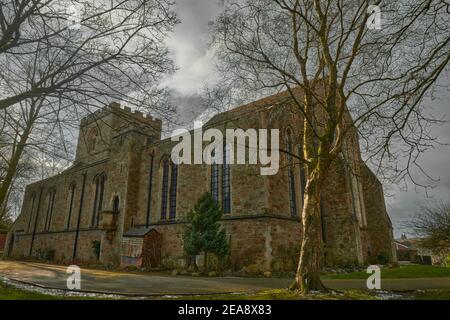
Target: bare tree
[
  {"x": 62, "y": 59},
  {"x": 91, "y": 52},
  {"x": 344, "y": 66},
  {"x": 432, "y": 225}
]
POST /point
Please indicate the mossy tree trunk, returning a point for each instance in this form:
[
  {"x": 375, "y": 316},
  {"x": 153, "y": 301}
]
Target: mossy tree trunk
[{"x": 308, "y": 271}]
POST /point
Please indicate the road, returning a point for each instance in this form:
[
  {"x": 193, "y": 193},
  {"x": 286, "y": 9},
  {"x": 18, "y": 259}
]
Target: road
[{"x": 114, "y": 282}]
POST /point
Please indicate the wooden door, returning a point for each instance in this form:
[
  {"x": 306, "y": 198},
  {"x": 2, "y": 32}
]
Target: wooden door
[{"x": 151, "y": 250}]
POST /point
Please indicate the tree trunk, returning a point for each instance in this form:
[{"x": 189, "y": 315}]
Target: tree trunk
[
  {"x": 12, "y": 166},
  {"x": 206, "y": 262},
  {"x": 195, "y": 266},
  {"x": 17, "y": 151},
  {"x": 4, "y": 208},
  {"x": 307, "y": 277}
]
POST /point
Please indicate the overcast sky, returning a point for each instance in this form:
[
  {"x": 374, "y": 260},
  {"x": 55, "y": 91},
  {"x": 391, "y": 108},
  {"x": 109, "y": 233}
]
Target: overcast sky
[{"x": 195, "y": 68}]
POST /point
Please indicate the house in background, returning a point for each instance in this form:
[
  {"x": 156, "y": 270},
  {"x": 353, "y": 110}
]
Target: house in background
[
  {"x": 405, "y": 252},
  {"x": 411, "y": 250}
]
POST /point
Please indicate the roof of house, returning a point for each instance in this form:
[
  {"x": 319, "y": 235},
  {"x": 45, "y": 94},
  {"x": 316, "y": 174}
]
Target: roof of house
[
  {"x": 403, "y": 245},
  {"x": 412, "y": 243}
]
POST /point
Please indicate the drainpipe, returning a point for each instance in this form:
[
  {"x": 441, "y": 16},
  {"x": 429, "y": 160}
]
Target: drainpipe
[
  {"x": 35, "y": 222},
  {"x": 79, "y": 218}
]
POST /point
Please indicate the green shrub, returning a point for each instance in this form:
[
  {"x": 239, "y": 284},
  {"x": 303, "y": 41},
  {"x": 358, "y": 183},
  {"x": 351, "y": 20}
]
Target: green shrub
[
  {"x": 382, "y": 258},
  {"x": 46, "y": 254},
  {"x": 171, "y": 262}
]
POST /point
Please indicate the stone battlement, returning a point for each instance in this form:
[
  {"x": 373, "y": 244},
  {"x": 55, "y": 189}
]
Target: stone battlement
[{"x": 121, "y": 111}]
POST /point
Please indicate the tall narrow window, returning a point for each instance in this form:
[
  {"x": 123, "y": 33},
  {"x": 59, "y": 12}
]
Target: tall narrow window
[
  {"x": 291, "y": 178},
  {"x": 69, "y": 212},
  {"x": 226, "y": 191},
  {"x": 98, "y": 199},
  {"x": 215, "y": 180},
  {"x": 33, "y": 199},
  {"x": 165, "y": 189},
  {"x": 173, "y": 191},
  {"x": 149, "y": 196},
  {"x": 116, "y": 204},
  {"x": 50, "y": 205}
]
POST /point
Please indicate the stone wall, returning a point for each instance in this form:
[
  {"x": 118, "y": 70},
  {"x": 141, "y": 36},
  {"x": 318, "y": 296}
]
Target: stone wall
[
  {"x": 113, "y": 151},
  {"x": 263, "y": 232},
  {"x": 257, "y": 244},
  {"x": 339, "y": 225},
  {"x": 379, "y": 233}
]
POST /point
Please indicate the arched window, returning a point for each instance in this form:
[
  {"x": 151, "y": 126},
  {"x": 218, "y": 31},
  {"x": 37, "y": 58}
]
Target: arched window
[
  {"x": 226, "y": 171},
  {"x": 98, "y": 199},
  {"x": 71, "y": 198},
  {"x": 33, "y": 200},
  {"x": 215, "y": 179},
  {"x": 291, "y": 178},
  {"x": 50, "y": 204},
  {"x": 173, "y": 191},
  {"x": 116, "y": 204},
  {"x": 165, "y": 189}
]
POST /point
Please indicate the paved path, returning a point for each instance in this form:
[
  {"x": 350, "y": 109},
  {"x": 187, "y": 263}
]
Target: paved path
[{"x": 53, "y": 276}]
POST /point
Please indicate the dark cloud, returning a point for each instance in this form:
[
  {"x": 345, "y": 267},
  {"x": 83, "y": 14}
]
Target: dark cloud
[{"x": 435, "y": 161}]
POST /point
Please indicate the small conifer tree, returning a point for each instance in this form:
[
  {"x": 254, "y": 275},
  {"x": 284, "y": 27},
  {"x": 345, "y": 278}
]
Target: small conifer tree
[{"x": 203, "y": 234}]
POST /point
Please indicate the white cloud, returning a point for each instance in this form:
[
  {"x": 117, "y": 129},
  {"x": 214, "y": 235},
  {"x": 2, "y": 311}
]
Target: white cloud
[
  {"x": 195, "y": 67},
  {"x": 193, "y": 58}
]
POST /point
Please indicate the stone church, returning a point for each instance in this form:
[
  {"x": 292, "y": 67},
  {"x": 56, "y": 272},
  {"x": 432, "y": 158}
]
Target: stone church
[{"x": 123, "y": 201}]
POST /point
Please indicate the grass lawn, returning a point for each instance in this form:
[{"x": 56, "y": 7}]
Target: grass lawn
[
  {"x": 438, "y": 294},
  {"x": 409, "y": 271},
  {"x": 9, "y": 293},
  {"x": 282, "y": 294}
]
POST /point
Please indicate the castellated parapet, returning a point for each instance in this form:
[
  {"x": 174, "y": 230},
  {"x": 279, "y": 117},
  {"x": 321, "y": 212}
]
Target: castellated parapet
[
  {"x": 100, "y": 130},
  {"x": 124, "y": 111}
]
